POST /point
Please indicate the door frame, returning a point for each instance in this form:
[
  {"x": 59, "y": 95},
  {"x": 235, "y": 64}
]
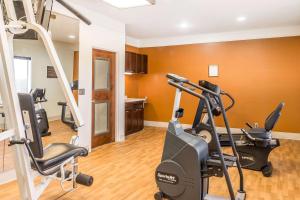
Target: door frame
[{"x": 113, "y": 105}]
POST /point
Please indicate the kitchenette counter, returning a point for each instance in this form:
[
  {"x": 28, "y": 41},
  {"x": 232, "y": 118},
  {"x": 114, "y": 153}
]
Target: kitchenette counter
[
  {"x": 134, "y": 115},
  {"x": 131, "y": 100}
]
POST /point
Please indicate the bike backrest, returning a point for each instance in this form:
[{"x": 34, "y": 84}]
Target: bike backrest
[
  {"x": 31, "y": 124},
  {"x": 273, "y": 117}
]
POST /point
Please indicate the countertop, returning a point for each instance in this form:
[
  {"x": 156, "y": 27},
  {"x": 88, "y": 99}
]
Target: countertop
[{"x": 130, "y": 100}]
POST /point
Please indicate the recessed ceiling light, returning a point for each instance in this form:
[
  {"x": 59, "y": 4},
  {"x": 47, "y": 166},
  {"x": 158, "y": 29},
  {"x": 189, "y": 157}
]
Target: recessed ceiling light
[
  {"x": 184, "y": 25},
  {"x": 71, "y": 36},
  {"x": 129, "y": 3},
  {"x": 241, "y": 19}
]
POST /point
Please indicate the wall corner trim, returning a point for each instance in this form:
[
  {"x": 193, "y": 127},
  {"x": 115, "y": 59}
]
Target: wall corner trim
[
  {"x": 263, "y": 33},
  {"x": 133, "y": 41},
  {"x": 276, "y": 134}
]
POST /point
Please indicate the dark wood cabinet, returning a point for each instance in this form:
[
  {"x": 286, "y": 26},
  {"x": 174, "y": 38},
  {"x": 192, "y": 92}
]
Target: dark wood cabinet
[
  {"x": 127, "y": 62},
  {"x": 134, "y": 117},
  {"x": 130, "y": 62},
  {"x": 139, "y": 63},
  {"x": 133, "y": 64},
  {"x": 144, "y": 64},
  {"x": 136, "y": 63}
]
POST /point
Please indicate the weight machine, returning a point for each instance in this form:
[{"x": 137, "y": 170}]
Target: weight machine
[{"x": 27, "y": 148}]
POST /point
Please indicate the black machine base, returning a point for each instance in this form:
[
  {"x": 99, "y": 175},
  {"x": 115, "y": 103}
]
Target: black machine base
[{"x": 256, "y": 158}]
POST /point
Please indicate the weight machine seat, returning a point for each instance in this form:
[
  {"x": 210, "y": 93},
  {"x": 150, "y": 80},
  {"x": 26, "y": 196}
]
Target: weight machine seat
[
  {"x": 57, "y": 153},
  {"x": 51, "y": 157},
  {"x": 260, "y": 133}
]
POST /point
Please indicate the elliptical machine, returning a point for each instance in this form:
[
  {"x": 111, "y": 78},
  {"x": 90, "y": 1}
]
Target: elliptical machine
[
  {"x": 253, "y": 146},
  {"x": 201, "y": 126},
  {"x": 186, "y": 164},
  {"x": 39, "y": 97}
]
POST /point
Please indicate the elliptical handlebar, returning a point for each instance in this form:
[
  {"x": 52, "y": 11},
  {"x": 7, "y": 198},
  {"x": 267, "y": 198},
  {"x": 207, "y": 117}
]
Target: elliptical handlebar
[
  {"x": 178, "y": 79},
  {"x": 188, "y": 90},
  {"x": 231, "y": 99}
]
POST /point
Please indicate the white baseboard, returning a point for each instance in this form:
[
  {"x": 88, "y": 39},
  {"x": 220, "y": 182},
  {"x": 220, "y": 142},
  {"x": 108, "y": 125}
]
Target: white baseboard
[
  {"x": 275, "y": 134},
  {"x": 54, "y": 118},
  {"x": 8, "y": 176},
  {"x": 286, "y": 135}
]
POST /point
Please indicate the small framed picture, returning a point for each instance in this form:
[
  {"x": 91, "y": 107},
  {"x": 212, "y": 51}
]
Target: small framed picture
[
  {"x": 213, "y": 70},
  {"x": 51, "y": 72}
]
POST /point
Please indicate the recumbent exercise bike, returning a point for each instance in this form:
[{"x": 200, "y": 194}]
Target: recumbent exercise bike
[{"x": 253, "y": 146}]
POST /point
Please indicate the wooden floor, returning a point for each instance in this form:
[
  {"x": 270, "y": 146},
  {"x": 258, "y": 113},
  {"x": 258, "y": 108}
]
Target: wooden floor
[{"x": 126, "y": 171}]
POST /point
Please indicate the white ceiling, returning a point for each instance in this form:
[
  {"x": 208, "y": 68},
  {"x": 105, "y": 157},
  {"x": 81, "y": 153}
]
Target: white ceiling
[
  {"x": 200, "y": 16},
  {"x": 62, "y": 27}
]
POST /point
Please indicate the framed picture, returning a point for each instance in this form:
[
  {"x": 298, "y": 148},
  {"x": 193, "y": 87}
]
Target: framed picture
[{"x": 51, "y": 72}]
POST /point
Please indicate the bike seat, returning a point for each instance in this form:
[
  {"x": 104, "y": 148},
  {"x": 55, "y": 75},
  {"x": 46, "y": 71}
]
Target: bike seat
[{"x": 260, "y": 133}]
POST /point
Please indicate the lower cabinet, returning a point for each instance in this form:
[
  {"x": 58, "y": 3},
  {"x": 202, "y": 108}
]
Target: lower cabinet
[{"x": 134, "y": 117}]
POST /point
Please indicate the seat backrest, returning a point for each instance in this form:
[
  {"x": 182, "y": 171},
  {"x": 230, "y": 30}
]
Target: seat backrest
[
  {"x": 273, "y": 117},
  {"x": 29, "y": 115}
]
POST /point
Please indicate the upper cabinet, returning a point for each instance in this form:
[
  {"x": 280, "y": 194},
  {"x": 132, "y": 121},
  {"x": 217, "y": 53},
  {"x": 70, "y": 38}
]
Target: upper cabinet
[{"x": 136, "y": 63}]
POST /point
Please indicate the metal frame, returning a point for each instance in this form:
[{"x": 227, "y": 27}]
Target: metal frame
[{"x": 12, "y": 109}]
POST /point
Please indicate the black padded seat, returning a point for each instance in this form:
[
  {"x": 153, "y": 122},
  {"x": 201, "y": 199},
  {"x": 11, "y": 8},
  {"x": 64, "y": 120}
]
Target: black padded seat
[
  {"x": 260, "y": 133},
  {"x": 50, "y": 158},
  {"x": 265, "y": 133},
  {"x": 57, "y": 153}
]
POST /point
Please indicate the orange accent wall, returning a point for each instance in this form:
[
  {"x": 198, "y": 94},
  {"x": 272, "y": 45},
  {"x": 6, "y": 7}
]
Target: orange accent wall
[{"x": 257, "y": 73}]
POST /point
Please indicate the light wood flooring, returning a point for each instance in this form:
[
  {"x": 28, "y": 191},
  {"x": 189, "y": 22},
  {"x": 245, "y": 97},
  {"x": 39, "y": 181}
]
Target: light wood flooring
[{"x": 126, "y": 171}]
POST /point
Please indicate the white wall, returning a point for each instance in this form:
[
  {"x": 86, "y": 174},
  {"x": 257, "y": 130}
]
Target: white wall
[
  {"x": 40, "y": 60},
  {"x": 105, "y": 34}
]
